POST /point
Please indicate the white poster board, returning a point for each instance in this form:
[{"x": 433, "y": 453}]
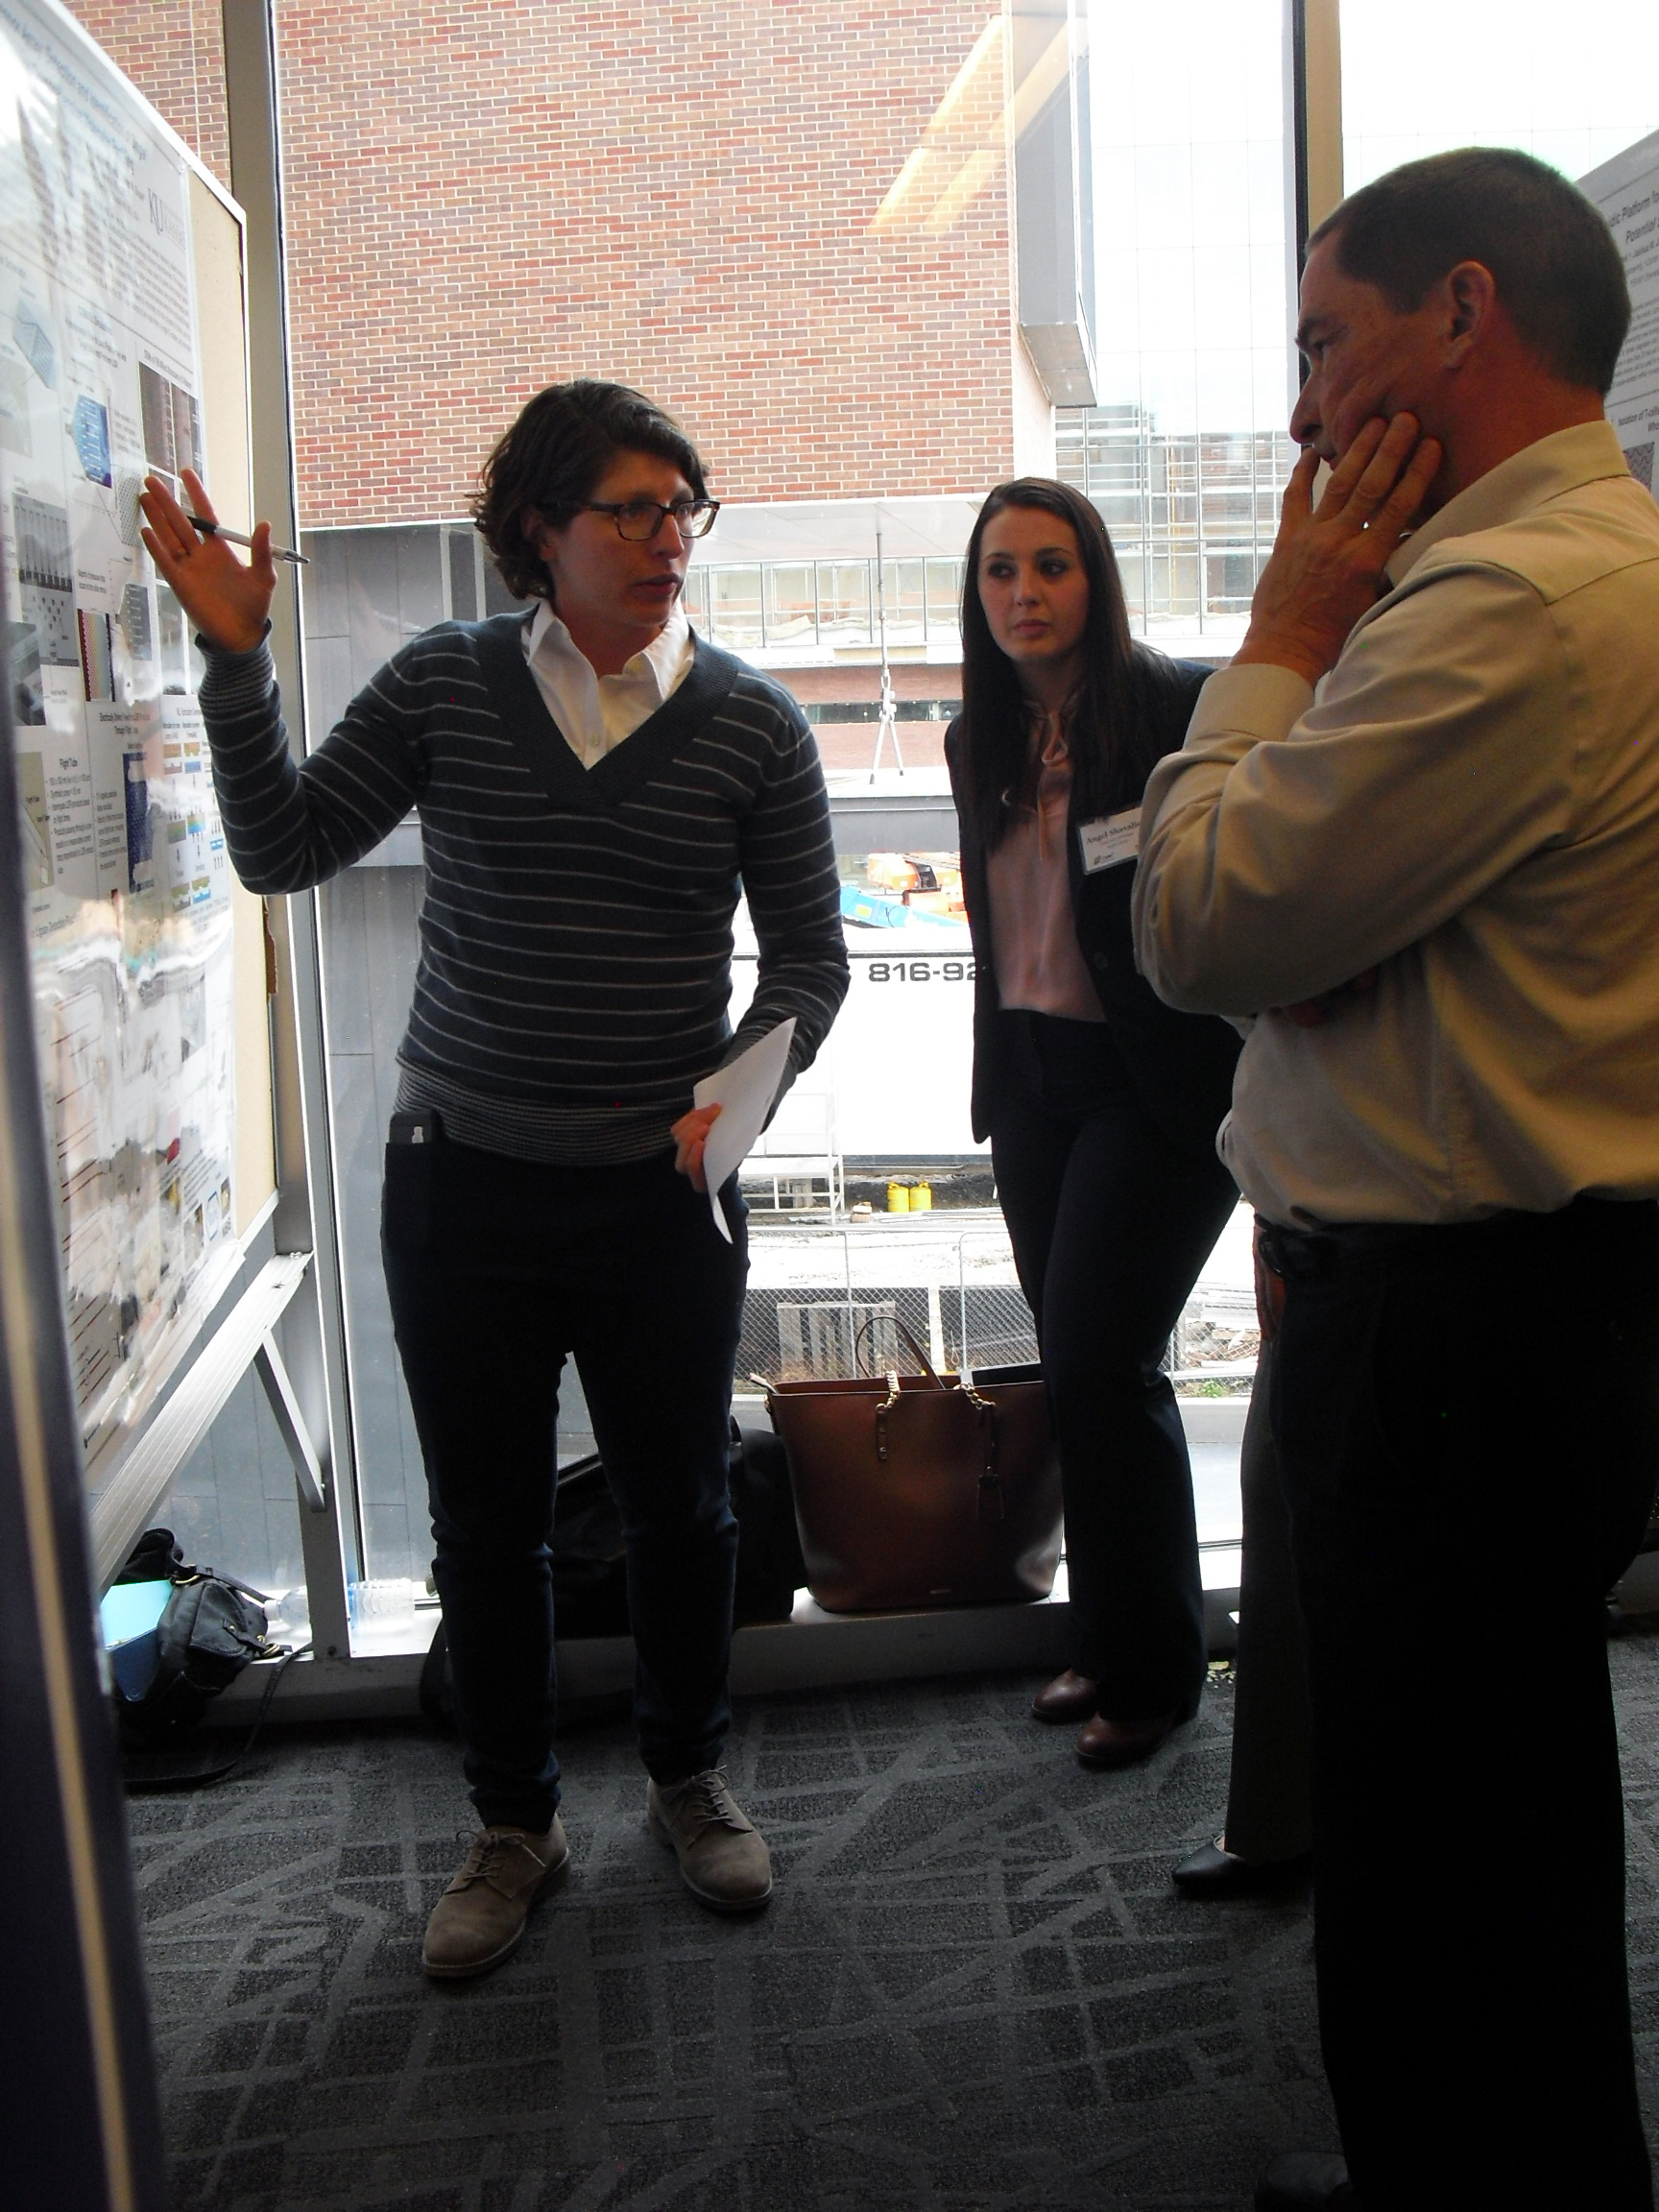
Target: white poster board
[
  {"x": 130, "y": 914},
  {"x": 1626, "y": 190}
]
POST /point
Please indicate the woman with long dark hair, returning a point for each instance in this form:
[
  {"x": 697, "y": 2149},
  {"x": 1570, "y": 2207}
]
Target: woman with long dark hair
[{"x": 1101, "y": 1103}]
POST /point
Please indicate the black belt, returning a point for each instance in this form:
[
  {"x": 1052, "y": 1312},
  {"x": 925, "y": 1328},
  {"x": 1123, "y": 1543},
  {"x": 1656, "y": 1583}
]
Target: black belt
[{"x": 1299, "y": 1254}]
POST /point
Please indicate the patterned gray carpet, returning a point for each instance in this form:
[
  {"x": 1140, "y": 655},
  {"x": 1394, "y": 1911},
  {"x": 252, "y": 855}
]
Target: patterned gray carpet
[{"x": 974, "y": 1989}]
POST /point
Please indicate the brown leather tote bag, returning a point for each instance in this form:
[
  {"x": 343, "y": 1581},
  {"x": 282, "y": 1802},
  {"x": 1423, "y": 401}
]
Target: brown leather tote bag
[{"x": 918, "y": 1490}]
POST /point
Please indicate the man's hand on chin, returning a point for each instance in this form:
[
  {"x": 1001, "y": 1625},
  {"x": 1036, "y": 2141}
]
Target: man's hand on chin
[{"x": 1327, "y": 561}]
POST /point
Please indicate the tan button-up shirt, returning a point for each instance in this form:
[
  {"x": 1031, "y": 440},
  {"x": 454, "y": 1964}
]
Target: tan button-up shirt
[{"x": 1469, "y": 805}]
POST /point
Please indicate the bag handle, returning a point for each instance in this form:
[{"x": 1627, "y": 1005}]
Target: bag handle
[
  {"x": 992, "y": 1503},
  {"x": 928, "y": 1367}
]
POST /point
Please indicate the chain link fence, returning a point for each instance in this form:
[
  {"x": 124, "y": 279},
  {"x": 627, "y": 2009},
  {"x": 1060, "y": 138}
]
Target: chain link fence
[
  {"x": 796, "y": 1335},
  {"x": 828, "y": 1302}
]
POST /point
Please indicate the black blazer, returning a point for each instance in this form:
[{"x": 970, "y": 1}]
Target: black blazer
[{"x": 1181, "y": 1064}]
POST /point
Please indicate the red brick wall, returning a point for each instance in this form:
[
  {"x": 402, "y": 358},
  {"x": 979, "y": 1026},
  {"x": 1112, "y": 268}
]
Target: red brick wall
[
  {"x": 174, "y": 51},
  {"x": 861, "y": 679},
  {"x": 486, "y": 195},
  {"x": 850, "y": 745}
]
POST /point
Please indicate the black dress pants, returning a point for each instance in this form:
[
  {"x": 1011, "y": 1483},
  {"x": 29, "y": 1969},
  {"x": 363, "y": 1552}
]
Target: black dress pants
[
  {"x": 1110, "y": 1224},
  {"x": 497, "y": 1269},
  {"x": 1269, "y": 1811},
  {"x": 1468, "y": 1420}
]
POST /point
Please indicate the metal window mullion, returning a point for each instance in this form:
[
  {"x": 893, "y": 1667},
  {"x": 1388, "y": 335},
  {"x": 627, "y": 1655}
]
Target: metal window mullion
[
  {"x": 313, "y": 1333},
  {"x": 1313, "y": 118}
]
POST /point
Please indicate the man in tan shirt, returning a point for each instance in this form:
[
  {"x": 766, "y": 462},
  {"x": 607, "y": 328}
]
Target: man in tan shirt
[{"x": 1414, "y": 834}]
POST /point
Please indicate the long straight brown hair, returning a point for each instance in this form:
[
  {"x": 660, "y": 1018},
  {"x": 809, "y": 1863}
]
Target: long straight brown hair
[{"x": 996, "y": 719}]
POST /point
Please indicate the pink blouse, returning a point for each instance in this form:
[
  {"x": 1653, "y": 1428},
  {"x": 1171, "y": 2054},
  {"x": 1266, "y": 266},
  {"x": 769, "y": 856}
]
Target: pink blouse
[{"x": 1040, "y": 965}]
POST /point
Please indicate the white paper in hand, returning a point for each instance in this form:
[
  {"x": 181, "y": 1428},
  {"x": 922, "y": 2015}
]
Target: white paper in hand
[{"x": 743, "y": 1090}]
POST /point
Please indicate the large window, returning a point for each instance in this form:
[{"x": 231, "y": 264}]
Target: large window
[
  {"x": 1420, "y": 76},
  {"x": 859, "y": 356},
  {"x": 1185, "y": 453},
  {"x": 776, "y": 607},
  {"x": 817, "y": 254}
]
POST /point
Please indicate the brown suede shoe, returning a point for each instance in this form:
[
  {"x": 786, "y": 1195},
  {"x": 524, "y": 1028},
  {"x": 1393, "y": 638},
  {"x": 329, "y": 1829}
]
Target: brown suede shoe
[
  {"x": 1103, "y": 1743},
  {"x": 722, "y": 1861},
  {"x": 1069, "y": 1696},
  {"x": 480, "y": 1919}
]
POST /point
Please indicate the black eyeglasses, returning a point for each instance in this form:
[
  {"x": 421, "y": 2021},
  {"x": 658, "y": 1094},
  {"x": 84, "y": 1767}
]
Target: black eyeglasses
[{"x": 638, "y": 520}]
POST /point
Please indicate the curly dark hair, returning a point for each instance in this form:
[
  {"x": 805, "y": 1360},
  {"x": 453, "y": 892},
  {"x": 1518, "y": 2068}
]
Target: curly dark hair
[
  {"x": 996, "y": 725},
  {"x": 552, "y": 460}
]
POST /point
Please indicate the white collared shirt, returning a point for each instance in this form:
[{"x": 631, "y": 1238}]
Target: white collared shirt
[
  {"x": 594, "y": 713},
  {"x": 1469, "y": 807}
]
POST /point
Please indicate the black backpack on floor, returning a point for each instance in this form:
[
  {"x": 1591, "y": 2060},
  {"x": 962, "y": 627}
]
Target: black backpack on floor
[
  {"x": 589, "y": 1562},
  {"x": 211, "y": 1626},
  {"x": 770, "y": 1568},
  {"x": 590, "y": 1567}
]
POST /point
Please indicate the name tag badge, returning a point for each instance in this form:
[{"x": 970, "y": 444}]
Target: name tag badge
[{"x": 1111, "y": 841}]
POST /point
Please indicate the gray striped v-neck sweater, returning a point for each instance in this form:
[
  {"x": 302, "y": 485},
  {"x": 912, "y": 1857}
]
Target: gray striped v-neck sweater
[{"x": 576, "y": 932}]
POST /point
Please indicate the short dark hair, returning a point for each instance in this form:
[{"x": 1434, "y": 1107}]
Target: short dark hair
[
  {"x": 551, "y": 462},
  {"x": 996, "y": 723},
  {"x": 1551, "y": 255}
]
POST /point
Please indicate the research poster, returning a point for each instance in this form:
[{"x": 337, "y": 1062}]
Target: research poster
[
  {"x": 129, "y": 906},
  {"x": 1626, "y": 190}
]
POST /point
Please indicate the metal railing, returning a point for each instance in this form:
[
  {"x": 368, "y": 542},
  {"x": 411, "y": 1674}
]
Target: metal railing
[
  {"x": 1192, "y": 514},
  {"x": 830, "y": 1300},
  {"x": 755, "y": 605}
]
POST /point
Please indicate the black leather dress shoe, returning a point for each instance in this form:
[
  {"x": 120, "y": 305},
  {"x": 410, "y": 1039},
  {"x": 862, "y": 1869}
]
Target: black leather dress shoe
[
  {"x": 1307, "y": 2181},
  {"x": 1213, "y": 1871}
]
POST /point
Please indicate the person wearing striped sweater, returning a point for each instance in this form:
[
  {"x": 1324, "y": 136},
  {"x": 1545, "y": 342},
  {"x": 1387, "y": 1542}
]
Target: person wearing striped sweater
[{"x": 594, "y": 784}]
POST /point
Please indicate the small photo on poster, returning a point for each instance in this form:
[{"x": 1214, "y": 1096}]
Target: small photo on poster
[
  {"x": 186, "y": 430},
  {"x": 183, "y": 666},
  {"x": 97, "y": 654},
  {"x": 129, "y": 517},
  {"x": 16, "y": 435},
  {"x": 142, "y": 819},
  {"x": 28, "y": 690},
  {"x": 172, "y": 423},
  {"x": 91, "y": 434},
  {"x": 156, "y": 397},
  {"x": 136, "y": 628},
  {"x": 32, "y": 334},
  {"x": 45, "y": 581},
  {"x": 38, "y": 874}
]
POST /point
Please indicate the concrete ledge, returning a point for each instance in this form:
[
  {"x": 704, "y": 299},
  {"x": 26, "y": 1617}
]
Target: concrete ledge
[
  {"x": 814, "y": 1650},
  {"x": 818, "y": 1650},
  {"x": 380, "y": 1689}
]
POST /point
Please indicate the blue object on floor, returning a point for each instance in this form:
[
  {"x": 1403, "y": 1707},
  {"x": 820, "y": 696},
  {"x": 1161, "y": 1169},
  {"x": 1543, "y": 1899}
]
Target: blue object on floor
[{"x": 131, "y": 1613}]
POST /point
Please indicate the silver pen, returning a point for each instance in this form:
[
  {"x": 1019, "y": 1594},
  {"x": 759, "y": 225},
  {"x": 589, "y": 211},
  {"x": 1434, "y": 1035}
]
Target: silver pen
[{"x": 236, "y": 537}]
